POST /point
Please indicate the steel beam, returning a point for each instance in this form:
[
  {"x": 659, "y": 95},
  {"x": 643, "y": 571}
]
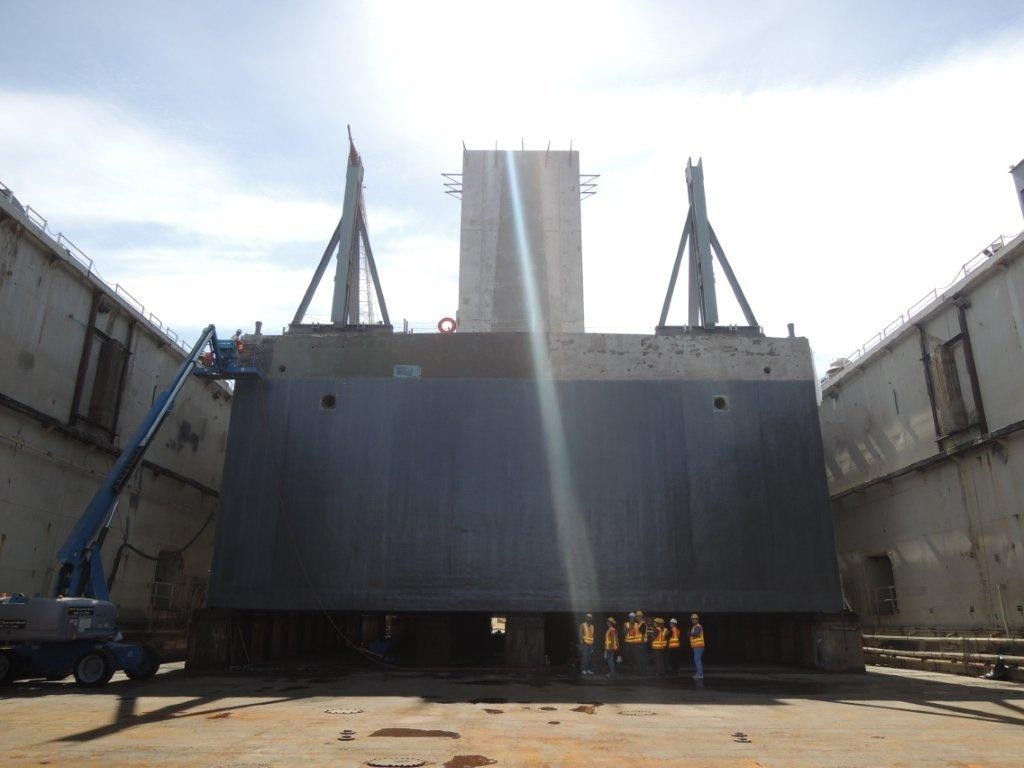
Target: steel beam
[
  {"x": 340, "y": 309},
  {"x": 373, "y": 274},
  {"x": 300, "y": 313},
  {"x": 675, "y": 270},
  {"x": 701, "y": 243},
  {"x": 731, "y": 277}
]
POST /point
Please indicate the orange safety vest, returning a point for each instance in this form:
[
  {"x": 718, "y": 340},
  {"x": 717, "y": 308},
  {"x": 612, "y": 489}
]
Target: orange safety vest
[
  {"x": 697, "y": 641},
  {"x": 588, "y": 633},
  {"x": 611, "y": 639},
  {"x": 673, "y": 637},
  {"x": 660, "y": 640},
  {"x": 633, "y": 633}
]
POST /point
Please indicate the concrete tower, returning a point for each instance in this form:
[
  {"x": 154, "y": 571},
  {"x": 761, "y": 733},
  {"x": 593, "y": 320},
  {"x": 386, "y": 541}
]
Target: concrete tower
[{"x": 521, "y": 254}]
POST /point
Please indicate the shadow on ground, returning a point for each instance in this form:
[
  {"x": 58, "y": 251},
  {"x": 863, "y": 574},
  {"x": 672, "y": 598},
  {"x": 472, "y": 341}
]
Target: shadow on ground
[{"x": 197, "y": 695}]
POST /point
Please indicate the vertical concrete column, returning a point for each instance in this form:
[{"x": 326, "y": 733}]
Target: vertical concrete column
[
  {"x": 259, "y": 638},
  {"x": 433, "y": 640},
  {"x": 209, "y": 640},
  {"x": 524, "y": 640},
  {"x": 521, "y": 255}
]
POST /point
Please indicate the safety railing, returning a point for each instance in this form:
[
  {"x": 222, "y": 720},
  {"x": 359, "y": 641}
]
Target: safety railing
[
  {"x": 78, "y": 256},
  {"x": 885, "y": 601},
  {"x": 919, "y": 306}
]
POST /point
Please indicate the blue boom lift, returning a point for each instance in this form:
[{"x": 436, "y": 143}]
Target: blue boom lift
[{"x": 75, "y": 631}]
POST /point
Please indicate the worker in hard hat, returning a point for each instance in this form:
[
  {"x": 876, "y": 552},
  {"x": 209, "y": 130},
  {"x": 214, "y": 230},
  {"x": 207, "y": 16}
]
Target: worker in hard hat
[
  {"x": 611, "y": 645},
  {"x": 641, "y": 647},
  {"x": 659, "y": 646},
  {"x": 630, "y": 629},
  {"x": 586, "y": 637},
  {"x": 697, "y": 643},
  {"x": 675, "y": 646}
]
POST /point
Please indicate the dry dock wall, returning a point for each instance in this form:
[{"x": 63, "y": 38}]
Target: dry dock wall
[
  {"x": 81, "y": 365},
  {"x": 924, "y": 445},
  {"x": 683, "y": 472}
]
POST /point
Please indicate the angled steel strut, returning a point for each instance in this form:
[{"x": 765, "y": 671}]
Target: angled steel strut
[
  {"x": 350, "y": 232},
  {"x": 697, "y": 231}
]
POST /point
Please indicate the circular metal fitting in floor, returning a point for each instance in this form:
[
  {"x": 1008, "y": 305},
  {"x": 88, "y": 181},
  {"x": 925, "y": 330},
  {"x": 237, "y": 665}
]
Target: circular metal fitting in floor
[
  {"x": 637, "y": 712},
  {"x": 343, "y": 711},
  {"x": 396, "y": 762}
]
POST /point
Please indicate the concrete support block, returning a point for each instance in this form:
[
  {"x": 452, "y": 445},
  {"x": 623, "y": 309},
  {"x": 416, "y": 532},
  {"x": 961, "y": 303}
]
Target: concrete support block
[
  {"x": 433, "y": 640},
  {"x": 258, "y": 645},
  {"x": 838, "y": 642},
  {"x": 524, "y": 640},
  {"x": 209, "y": 639}
]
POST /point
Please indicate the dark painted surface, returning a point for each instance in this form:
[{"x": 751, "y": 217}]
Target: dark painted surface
[{"x": 435, "y": 495}]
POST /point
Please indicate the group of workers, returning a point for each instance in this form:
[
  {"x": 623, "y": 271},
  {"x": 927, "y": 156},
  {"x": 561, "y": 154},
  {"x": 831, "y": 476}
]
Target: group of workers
[{"x": 640, "y": 642}]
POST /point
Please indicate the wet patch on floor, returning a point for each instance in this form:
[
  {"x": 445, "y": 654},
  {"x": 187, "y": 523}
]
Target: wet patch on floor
[
  {"x": 494, "y": 711},
  {"x": 468, "y": 761},
  {"x": 219, "y": 716},
  {"x": 550, "y": 709},
  {"x": 416, "y": 732},
  {"x": 587, "y": 709},
  {"x": 554, "y": 722}
]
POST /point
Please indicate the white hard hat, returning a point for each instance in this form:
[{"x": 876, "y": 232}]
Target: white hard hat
[{"x": 672, "y": 621}]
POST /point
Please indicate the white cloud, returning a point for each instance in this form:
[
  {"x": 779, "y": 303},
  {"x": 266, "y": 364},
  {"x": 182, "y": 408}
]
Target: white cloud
[
  {"x": 201, "y": 242},
  {"x": 88, "y": 162},
  {"x": 839, "y": 205}
]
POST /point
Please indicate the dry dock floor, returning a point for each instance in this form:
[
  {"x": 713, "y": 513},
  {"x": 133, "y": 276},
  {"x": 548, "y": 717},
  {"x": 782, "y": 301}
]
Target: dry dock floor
[{"x": 295, "y": 717}]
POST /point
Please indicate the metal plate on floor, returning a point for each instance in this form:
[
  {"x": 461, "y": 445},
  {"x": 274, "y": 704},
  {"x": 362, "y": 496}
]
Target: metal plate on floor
[
  {"x": 396, "y": 762},
  {"x": 343, "y": 711},
  {"x": 637, "y": 712}
]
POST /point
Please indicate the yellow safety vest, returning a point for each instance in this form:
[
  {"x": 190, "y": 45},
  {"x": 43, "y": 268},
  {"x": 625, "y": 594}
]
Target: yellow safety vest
[
  {"x": 641, "y": 629},
  {"x": 660, "y": 641},
  {"x": 698, "y": 641},
  {"x": 588, "y": 633},
  {"x": 633, "y": 634},
  {"x": 611, "y": 639},
  {"x": 673, "y": 637}
]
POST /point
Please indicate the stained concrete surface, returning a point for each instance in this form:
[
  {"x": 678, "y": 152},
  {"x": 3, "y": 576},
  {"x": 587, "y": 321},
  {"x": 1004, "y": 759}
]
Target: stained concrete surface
[
  {"x": 520, "y": 217},
  {"x": 740, "y": 717}
]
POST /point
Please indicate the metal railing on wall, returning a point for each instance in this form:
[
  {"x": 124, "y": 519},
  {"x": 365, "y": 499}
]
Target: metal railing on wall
[
  {"x": 78, "y": 256},
  {"x": 919, "y": 306}
]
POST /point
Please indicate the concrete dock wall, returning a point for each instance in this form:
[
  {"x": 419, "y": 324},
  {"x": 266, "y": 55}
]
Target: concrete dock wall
[
  {"x": 64, "y": 411},
  {"x": 925, "y": 457}
]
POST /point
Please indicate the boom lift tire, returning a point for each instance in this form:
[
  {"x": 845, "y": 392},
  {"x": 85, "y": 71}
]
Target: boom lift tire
[
  {"x": 147, "y": 667},
  {"x": 8, "y": 667},
  {"x": 94, "y": 668}
]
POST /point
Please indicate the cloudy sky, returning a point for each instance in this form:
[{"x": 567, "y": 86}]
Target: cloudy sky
[{"x": 855, "y": 153}]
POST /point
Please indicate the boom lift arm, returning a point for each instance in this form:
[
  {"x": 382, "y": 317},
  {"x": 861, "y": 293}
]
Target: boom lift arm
[
  {"x": 75, "y": 631},
  {"x": 81, "y": 565}
]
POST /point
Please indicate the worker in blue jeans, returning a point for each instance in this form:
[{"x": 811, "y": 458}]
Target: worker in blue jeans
[
  {"x": 611, "y": 646},
  {"x": 697, "y": 644},
  {"x": 586, "y": 637}
]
